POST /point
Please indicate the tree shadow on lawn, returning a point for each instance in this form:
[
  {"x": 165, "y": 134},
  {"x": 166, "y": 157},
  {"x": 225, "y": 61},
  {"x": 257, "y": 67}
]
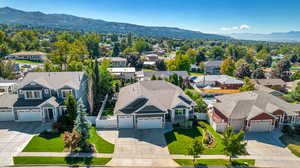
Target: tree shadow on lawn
[
  {"x": 228, "y": 165},
  {"x": 49, "y": 135},
  {"x": 193, "y": 132},
  {"x": 79, "y": 160}
]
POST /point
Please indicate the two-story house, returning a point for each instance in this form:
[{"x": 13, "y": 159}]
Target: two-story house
[{"x": 41, "y": 95}]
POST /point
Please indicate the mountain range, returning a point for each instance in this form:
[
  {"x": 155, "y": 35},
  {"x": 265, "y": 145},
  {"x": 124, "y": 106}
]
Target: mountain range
[
  {"x": 292, "y": 36},
  {"x": 17, "y": 17}
]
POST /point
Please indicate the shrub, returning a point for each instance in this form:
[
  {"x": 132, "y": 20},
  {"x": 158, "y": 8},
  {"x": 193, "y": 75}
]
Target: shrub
[
  {"x": 297, "y": 129},
  {"x": 288, "y": 130}
]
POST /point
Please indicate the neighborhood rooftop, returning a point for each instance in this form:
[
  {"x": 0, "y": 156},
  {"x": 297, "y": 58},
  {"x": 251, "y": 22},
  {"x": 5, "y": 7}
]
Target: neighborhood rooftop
[
  {"x": 165, "y": 74},
  {"x": 55, "y": 80},
  {"x": 224, "y": 79}
]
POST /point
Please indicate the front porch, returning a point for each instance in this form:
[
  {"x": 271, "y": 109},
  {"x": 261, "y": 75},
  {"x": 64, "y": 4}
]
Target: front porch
[
  {"x": 181, "y": 114},
  {"x": 285, "y": 119}
]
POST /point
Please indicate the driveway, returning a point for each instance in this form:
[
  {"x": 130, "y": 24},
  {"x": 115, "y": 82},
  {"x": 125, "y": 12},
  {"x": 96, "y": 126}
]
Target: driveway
[
  {"x": 135, "y": 147},
  {"x": 268, "y": 150},
  {"x": 14, "y": 136}
]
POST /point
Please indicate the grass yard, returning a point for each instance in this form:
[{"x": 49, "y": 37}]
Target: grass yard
[
  {"x": 27, "y": 160},
  {"x": 216, "y": 162},
  {"x": 293, "y": 143},
  {"x": 178, "y": 139},
  {"x": 102, "y": 145},
  {"x": 27, "y": 62},
  {"x": 147, "y": 70},
  {"x": 47, "y": 142},
  {"x": 107, "y": 112},
  {"x": 196, "y": 73}
]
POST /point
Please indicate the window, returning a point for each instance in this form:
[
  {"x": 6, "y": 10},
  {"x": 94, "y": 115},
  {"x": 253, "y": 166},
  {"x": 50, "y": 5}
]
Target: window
[
  {"x": 179, "y": 112},
  {"x": 66, "y": 92},
  {"x": 33, "y": 94},
  {"x": 46, "y": 91}
]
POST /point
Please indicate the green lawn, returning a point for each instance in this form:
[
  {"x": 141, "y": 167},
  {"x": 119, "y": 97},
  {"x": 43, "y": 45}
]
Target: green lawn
[
  {"x": 216, "y": 162},
  {"x": 27, "y": 62},
  {"x": 102, "y": 145},
  {"x": 23, "y": 160},
  {"x": 196, "y": 73},
  {"x": 148, "y": 70},
  {"x": 293, "y": 143},
  {"x": 107, "y": 112},
  {"x": 46, "y": 142},
  {"x": 178, "y": 139}
]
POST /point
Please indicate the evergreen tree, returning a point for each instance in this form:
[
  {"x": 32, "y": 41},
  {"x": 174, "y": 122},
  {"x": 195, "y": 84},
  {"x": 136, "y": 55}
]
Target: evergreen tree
[
  {"x": 70, "y": 102},
  {"x": 96, "y": 88},
  {"x": 82, "y": 125}
]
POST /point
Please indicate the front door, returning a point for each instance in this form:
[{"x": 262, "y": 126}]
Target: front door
[{"x": 49, "y": 114}]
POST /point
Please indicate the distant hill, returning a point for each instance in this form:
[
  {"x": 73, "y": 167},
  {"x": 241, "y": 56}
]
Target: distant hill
[
  {"x": 14, "y": 16},
  {"x": 292, "y": 36}
]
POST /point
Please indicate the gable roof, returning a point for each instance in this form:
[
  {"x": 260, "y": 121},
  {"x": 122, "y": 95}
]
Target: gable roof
[
  {"x": 224, "y": 79},
  {"x": 213, "y": 63},
  {"x": 8, "y": 100},
  {"x": 250, "y": 104},
  {"x": 159, "y": 95},
  {"x": 267, "y": 82},
  {"x": 165, "y": 74},
  {"x": 54, "y": 80}
]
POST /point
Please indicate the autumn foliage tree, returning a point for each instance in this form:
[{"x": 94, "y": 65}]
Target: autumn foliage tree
[{"x": 227, "y": 67}]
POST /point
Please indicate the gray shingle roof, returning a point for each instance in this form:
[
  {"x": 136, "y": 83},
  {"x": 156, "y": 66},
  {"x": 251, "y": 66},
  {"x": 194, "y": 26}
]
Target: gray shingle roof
[
  {"x": 8, "y": 100},
  {"x": 213, "y": 63},
  {"x": 159, "y": 94},
  {"x": 267, "y": 82},
  {"x": 54, "y": 80},
  {"x": 249, "y": 104},
  {"x": 165, "y": 74},
  {"x": 35, "y": 102}
]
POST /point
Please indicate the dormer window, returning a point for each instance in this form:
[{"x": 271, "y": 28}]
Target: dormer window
[
  {"x": 46, "y": 91},
  {"x": 33, "y": 94},
  {"x": 66, "y": 92}
]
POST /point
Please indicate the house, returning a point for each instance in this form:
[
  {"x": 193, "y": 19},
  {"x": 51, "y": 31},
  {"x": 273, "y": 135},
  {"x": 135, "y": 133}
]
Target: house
[
  {"x": 7, "y": 86},
  {"x": 126, "y": 73},
  {"x": 221, "y": 81},
  {"x": 147, "y": 75},
  {"x": 34, "y": 56},
  {"x": 276, "y": 84},
  {"x": 212, "y": 67},
  {"x": 151, "y": 57},
  {"x": 40, "y": 96},
  {"x": 252, "y": 111},
  {"x": 150, "y": 104},
  {"x": 115, "y": 61}
]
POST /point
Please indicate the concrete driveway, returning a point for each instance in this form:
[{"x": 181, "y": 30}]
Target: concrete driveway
[
  {"x": 135, "y": 147},
  {"x": 268, "y": 150},
  {"x": 14, "y": 137}
]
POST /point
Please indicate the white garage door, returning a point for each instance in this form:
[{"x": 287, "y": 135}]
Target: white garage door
[
  {"x": 125, "y": 121},
  {"x": 29, "y": 115},
  {"x": 6, "y": 115},
  {"x": 149, "y": 122},
  {"x": 261, "y": 125}
]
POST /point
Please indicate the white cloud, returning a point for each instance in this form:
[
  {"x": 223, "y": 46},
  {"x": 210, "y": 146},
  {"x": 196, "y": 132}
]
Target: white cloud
[{"x": 235, "y": 28}]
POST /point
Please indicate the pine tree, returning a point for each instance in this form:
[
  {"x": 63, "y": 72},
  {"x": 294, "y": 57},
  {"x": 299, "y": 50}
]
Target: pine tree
[{"x": 82, "y": 125}]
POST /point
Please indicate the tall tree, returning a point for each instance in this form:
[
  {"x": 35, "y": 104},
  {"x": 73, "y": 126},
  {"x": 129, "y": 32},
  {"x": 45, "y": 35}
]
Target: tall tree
[
  {"x": 227, "y": 67},
  {"x": 282, "y": 70},
  {"x": 71, "y": 104},
  {"x": 195, "y": 149},
  {"x": 243, "y": 71},
  {"x": 216, "y": 53},
  {"x": 96, "y": 88},
  {"x": 116, "y": 50},
  {"x": 234, "y": 144},
  {"x": 258, "y": 74}
]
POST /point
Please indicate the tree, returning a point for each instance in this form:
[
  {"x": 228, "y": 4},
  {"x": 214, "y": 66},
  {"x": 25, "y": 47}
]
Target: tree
[
  {"x": 92, "y": 41},
  {"x": 216, "y": 53},
  {"x": 282, "y": 70},
  {"x": 195, "y": 149},
  {"x": 96, "y": 88},
  {"x": 71, "y": 140},
  {"x": 182, "y": 63},
  {"x": 141, "y": 46},
  {"x": 201, "y": 105},
  {"x": 153, "y": 77},
  {"x": 70, "y": 102},
  {"x": 243, "y": 71},
  {"x": 234, "y": 144},
  {"x": 263, "y": 53},
  {"x": 200, "y": 56},
  {"x": 106, "y": 85},
  {"x": 82, "y": 125},
  {"x": 258, "y": 74},
  {"x": 191, "y": 53},
  {"x": 247, "y": 86},
  {"x": 267, "y": 62},
  {"x": 7, "y": 70},
  {"x": 227, "y": 67},
  {"x": 160, "y": 65},
  {"x": 296, "y": 76},
  {"x": 129, "y": 39},
  {"x": 296, "y": 92},
  {"x": 116, "y": 50}
]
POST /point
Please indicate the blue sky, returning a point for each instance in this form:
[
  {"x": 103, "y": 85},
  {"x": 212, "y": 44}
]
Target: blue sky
[{"x": 210, "y": 16}]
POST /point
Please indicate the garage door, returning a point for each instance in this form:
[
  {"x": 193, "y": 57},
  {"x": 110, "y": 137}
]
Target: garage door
[
  {"x": 125, "y": 121},
  {"x": 29, "y": 115},
  {"x": 149, "y": 122},
  {"x": 6, "y": 115},
  {"x": 261, "y": 125}
]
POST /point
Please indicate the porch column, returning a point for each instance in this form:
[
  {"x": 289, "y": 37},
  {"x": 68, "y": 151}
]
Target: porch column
[
  {"x": 186, "y": 113},
  {"x": 172, "y": 115}
]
